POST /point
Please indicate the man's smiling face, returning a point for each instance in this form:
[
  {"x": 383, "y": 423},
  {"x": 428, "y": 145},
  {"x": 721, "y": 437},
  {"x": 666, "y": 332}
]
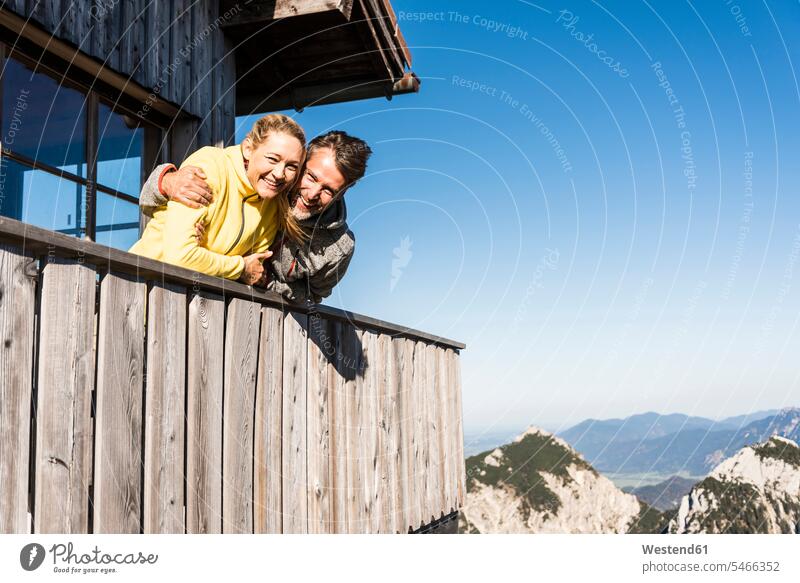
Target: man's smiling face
[{"x": 320, "y": 185}]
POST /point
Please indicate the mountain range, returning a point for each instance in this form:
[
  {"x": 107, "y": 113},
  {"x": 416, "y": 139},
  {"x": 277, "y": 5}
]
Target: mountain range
[
  {"x": 539, "y": 484},
  {"x": 674, "y": 444}
]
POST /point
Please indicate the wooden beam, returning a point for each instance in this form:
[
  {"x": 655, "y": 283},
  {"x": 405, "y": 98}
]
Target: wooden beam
[
  {"x": 335, "y": 92},
  {"x": 268, "y": 10},
  {"x": 384, "y": 37},
  {"x": 398, "y": 36},
  {"x": 368, "y": 32}
]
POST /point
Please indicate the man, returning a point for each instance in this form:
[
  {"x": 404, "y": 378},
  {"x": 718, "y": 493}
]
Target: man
[{"x": 301, "y": 272}]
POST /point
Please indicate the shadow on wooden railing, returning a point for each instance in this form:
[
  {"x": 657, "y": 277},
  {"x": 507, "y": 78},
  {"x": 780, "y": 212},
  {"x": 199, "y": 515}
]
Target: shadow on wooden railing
[{"x": 137, "y": 396}]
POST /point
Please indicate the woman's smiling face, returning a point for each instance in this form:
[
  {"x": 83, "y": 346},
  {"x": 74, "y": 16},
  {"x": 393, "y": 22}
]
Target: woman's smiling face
[{"x": 272, "y": 166}]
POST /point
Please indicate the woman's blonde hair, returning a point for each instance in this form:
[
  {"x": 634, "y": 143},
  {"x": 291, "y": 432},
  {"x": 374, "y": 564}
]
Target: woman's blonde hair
[{"x": 261, "y": 130}]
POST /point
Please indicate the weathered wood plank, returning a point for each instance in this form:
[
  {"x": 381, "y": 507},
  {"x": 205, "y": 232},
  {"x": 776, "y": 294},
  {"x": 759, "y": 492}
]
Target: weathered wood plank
[
  {"x": 434, "y": 430},
  {"x": 164, "y": 411},
  {"x": 42, "y": 12},
  {"x": 65, "y": 384},
  {"x": 354, "y": 396},
  {"x": 389, "y": 432},
  {"x": 204, "y": 414},
  {"x": 404, "y": 352},
  {"x": 144, "y": 44},
  {"x": 342, "y": 372},
  {"x": 17, "y": 6},
  {"x": 224, "y": 90},
  {"x": 194, "y": 64},
  {"x": 378, "y": 517},
  {"x": 368, "y": 427},
  {"x": 118, "y": 433},
  {"x": 54, "y": 21},
  {"x": 182, "y": 139},
  {"x": 200, "y": 68},
  {"x": 72, "y": 24},
  {"x": 179, "y": 86},
  {"x": 132, "y": 41},
  {"x": 421, "y": 439},
  {"x": 242, "y": 329},
  {"x": 159, "y": 57},
  {"x": 318, "y": 417},
  {"x": 267, "y": 503},
  {"x": 385, "y": 36},
  {"x": 363, "y": 462},
  {"x": 461, "y": 472},
  {"x": 17, "y": 305},
  {"x": 447, "y": 430},
  {"x": 108, "y": 29},
  {"x": 295, "y": 453}
]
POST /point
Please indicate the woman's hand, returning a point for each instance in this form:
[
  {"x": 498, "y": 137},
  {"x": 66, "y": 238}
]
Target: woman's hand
[
  {"x": 254, "y": 272},
  {"x": 187, "y": 186}
]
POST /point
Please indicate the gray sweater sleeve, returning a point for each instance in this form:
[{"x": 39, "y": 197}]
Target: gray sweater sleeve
[
  {"x": 323, "y": 282},
  {"x": 294, "y": 291},
  {"x": 150, "y": 198},
  {"x": 316, "y": 287}
]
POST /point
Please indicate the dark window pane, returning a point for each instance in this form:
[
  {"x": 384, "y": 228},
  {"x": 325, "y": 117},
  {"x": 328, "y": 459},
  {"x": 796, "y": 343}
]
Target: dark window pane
[
  {"x": 43, "y": 120},
  {"x": 42, "y": 199},
  {"x": 119, "y": 160},
  {"x": 117, "y": 221}
]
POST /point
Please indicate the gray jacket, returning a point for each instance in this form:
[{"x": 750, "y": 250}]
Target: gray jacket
[{"x": 304, "y": 272}]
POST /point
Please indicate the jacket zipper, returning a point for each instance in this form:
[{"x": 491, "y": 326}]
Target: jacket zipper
[{"x": 241, "y": 228}]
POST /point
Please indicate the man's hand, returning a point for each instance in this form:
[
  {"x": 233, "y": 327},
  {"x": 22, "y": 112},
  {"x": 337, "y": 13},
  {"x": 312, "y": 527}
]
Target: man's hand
[
  {"x": 254, "y": 272},
  {"x": 187, "y": 186}
]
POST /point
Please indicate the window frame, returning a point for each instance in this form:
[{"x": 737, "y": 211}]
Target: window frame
[{"x": 151, "y": 143}]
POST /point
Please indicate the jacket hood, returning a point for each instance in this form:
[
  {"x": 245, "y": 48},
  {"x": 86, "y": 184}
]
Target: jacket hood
[{"x": 333, "y": 218}]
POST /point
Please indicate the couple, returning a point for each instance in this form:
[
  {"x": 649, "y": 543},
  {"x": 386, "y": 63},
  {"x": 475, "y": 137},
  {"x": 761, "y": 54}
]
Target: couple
[{"x": 227, "y": 210}]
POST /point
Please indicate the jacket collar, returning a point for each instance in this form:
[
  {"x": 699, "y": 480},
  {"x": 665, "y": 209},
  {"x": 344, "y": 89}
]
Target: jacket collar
[
  {"x": 236, "y": 156},
  {"x": 333, "y": 218}
]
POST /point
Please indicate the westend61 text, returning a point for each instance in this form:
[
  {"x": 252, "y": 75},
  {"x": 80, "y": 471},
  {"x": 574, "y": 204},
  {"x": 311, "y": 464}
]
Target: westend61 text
[{"x": 675, "y": 550}]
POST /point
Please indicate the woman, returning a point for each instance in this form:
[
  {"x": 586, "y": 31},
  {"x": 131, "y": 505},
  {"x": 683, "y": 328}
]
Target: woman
[{"x": 249, "y": 183}]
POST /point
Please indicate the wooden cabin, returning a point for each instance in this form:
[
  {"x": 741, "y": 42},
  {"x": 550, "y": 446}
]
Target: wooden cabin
[{"x": 140, "y": 397}]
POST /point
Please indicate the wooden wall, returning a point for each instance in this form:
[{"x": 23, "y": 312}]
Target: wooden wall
[
  {"x": 173, "y": 48},
  {"x": 328, "y": 427}
]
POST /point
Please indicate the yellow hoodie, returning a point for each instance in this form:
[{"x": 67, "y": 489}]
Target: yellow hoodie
[{"x": 237, "y": 223}]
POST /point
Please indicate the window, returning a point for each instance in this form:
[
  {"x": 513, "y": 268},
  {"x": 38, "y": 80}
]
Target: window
[{"x": 71, "y": 161}]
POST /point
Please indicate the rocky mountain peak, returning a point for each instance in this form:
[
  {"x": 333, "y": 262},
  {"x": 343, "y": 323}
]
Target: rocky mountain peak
[
  {"x": 756, "y": 490},
  {"x": 538, "y": 483}
]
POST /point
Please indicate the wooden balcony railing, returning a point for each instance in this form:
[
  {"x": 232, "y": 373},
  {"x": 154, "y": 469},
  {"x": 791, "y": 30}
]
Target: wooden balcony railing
[{"x": 137, "y": 396}]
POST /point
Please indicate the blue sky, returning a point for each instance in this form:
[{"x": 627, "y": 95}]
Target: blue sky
[{"x": 599, "y": 198}]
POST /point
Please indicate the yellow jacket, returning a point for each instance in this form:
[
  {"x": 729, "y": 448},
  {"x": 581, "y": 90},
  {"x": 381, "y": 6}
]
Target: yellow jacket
[{"x": 237, "y": 223}]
